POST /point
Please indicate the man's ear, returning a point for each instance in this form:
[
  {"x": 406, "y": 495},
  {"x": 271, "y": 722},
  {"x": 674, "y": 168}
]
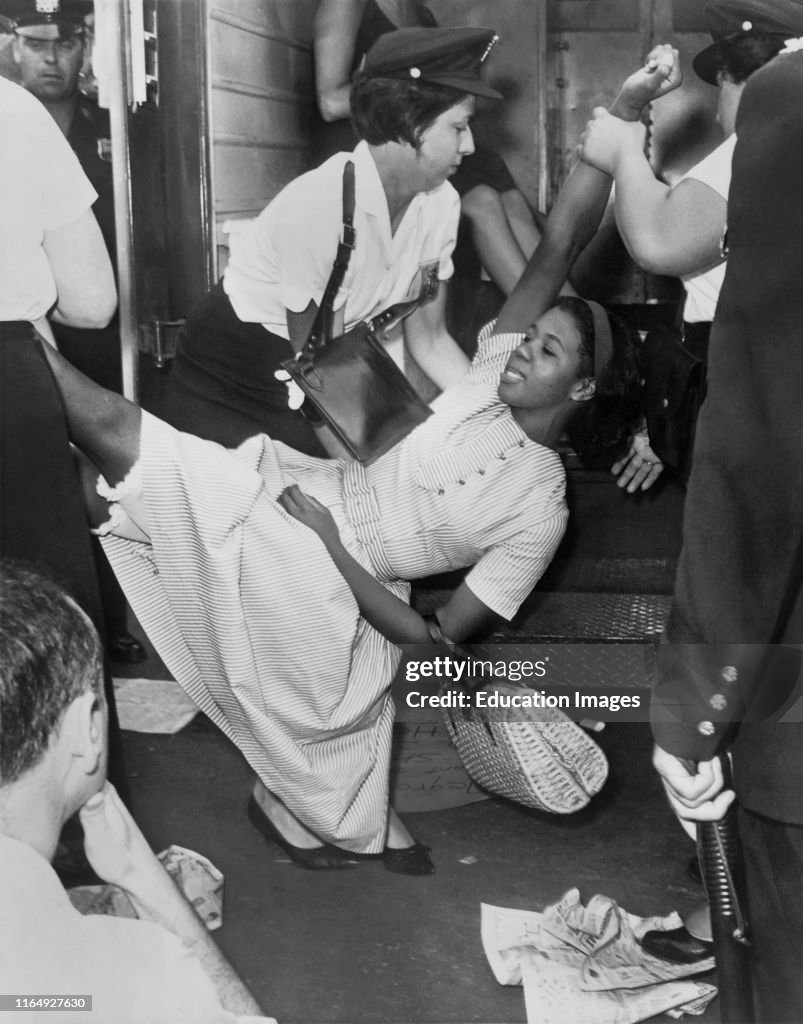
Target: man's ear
[
  {"x": 83, "y": 732},
  {"x": 583, "y": 390}
]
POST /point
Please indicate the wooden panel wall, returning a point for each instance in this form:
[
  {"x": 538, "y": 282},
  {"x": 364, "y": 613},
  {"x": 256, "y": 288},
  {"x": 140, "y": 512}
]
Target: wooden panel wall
[{"x": 261, "y": 95}]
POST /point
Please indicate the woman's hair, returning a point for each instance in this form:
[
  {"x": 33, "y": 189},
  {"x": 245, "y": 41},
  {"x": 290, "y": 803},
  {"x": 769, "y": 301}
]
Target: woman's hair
[
  {"x": 393, "y": 110},
  {"x": 740, "y": 56},
  {"x": 601, "y": 427}
]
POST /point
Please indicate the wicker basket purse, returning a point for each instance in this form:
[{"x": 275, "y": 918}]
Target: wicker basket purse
[{"x": 538, "y": 757}]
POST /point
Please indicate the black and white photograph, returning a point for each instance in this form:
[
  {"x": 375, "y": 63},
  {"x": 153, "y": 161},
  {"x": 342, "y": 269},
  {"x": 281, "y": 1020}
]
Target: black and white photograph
[{"x": 401, "y": 546}]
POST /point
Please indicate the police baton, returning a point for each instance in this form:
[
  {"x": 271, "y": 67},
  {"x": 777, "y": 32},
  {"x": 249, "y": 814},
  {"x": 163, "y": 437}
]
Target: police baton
[{"x": 720, "y": 854}]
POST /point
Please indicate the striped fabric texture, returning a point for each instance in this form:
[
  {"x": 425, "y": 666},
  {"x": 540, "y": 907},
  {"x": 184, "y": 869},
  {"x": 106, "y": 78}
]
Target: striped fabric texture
[{"x": 251, "y": 616}]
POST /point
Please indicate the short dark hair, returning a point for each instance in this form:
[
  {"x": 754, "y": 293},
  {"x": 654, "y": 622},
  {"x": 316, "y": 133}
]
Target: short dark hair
[
  {"x": 50, "y": 654},
  {"x": 739, "y": 56},
  {"x": 602, "y": 426},
  {"x": 394, "y": 110}
]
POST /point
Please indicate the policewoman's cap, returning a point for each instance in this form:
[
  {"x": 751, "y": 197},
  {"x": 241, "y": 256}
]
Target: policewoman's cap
[
  {"x": 29, "y": 15},
  {"x": 441, "y": 56},
  {"x": 731, "y": 19}
]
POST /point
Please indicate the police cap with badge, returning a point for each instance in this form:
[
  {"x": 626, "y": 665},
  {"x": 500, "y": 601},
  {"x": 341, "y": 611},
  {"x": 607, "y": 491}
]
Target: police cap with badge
[
  {"x": 731, "y": 19},
  {"x": 440, "y": 56},
  {"x": 29, "y": 17}
]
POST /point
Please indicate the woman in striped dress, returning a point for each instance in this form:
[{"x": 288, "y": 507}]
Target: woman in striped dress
[{"x": 274, "y": 585}]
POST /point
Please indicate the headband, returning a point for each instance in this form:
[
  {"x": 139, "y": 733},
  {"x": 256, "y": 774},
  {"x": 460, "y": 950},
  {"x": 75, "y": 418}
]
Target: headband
[{"x": 603, "y": 342}]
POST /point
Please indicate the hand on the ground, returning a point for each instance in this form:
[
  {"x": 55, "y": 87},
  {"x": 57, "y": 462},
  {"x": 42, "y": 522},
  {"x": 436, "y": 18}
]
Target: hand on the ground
[
  {"x": 659, "y": 75},
  {"x": 696, "y": 796},
  {"x": 311, "y": 513},
  {"x": 639, "y": 467},
  {"x": 607, "y": 140},
  {"x": 113, "y": 842},
  {"x": 295, "y": 396}
]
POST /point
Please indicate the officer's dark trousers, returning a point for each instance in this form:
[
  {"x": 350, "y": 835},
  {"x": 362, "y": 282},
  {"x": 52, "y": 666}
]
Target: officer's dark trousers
[
  {"x": 42, "y": 518},
  {"x": 773, "y": 853}
]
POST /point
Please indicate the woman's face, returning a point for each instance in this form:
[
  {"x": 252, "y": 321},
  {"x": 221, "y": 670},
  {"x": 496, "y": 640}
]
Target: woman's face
[
  {"x": 543, "y": 371},
  {"x": 444, "y": 144}
]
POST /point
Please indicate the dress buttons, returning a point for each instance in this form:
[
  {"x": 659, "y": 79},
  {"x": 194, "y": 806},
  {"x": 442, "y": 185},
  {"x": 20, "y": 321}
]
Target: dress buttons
[
  {"x": 461, "y": 481},
  {"x": 729, "y": 674},
  {"x": 718, "y": 702},
  {"x": 502, "y": 457},
  {"x": 706, "y": 728},
  {"x": 441, "y": 491},
  {"x": 521, "y": 444},
  {"x": 482, "y": 472}
]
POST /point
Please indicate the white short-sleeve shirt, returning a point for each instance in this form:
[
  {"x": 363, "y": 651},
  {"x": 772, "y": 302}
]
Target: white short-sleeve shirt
[
  {"x": 135, "y": 971},
  {"x": 283, "y": 260},
  {"x": 702, "y": 290},
  {"x": 42, "y": 188}
]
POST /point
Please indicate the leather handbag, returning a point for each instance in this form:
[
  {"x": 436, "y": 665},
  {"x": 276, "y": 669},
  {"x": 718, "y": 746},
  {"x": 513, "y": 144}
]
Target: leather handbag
[
  {"x": 350, "y": 383},
  {"x": 673, "y": 383}
]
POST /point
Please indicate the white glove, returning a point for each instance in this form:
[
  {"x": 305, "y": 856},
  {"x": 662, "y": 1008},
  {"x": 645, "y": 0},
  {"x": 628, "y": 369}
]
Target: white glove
[{"x": 295, "y": 396}]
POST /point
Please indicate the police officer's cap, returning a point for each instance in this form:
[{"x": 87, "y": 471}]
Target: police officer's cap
[
  {"x": 28, "y": 16},
  {"x": 442, "y": 56},
  {"x": 730, "y": 19}
]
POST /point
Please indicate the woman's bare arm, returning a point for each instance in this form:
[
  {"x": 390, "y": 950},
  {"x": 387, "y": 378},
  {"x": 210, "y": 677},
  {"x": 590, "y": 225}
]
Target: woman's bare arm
[
  {"x": 462, "y": 616},
  {"x": 578, "y": 210},
  {"x": 335, "y": 29},
  {"x": 87, "y": 296}
]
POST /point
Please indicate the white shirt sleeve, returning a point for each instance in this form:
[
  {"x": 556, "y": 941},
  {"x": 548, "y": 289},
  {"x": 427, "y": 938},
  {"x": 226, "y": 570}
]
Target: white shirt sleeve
[{"x": 715, "y": 169}]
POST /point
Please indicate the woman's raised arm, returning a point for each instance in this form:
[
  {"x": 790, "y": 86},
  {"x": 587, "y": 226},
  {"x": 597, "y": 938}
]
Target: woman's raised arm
[
  {"x": 578, "y": 210},
  {"x": 335, "y": 29}
]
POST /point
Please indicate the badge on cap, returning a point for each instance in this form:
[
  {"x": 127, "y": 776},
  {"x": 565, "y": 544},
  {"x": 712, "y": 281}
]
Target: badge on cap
[{"x": 48, "y": 6}]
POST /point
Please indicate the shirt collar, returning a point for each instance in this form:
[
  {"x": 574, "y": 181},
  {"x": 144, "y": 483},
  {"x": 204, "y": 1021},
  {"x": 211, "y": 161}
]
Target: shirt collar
[
  {"x": 26, "y": 870},
  {"x": 372, "y": 195}
]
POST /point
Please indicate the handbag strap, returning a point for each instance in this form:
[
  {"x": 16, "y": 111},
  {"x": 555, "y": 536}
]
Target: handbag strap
[{"x": 321, "y": 331}]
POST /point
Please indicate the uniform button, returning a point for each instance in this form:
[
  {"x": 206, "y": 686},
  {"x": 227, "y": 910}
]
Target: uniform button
[
  {"x": 482, "y": 472},
  {"x": 665, "y": 403},
  {"x": 461, "y": 481},
  {"x": 503, "y": 457},
  {"x": 718, "y": 702},
  {"x": 729, "y": 674},
  {"x": 521, "y": 444},
  {"x": 441, "y": 491},
  {"x": 706, "y": 728}
]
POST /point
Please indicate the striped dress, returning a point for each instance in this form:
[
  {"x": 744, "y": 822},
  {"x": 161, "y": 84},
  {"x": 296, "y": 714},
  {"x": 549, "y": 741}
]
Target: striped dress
[{"x": 250, "y": 614}]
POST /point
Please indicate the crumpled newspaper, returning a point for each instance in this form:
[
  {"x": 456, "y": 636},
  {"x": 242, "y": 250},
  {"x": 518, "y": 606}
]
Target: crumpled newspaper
[
  {"x": 584, "y": 965},
  {"x": 196, "y": 877}
]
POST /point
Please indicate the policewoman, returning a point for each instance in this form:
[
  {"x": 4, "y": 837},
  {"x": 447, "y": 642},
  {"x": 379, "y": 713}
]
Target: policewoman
[{"x": 412, "y": 104}]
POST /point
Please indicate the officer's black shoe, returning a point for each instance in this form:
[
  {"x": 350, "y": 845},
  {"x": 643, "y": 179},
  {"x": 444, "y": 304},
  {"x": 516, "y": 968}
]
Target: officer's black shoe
[{"x": 677, "y": 945}]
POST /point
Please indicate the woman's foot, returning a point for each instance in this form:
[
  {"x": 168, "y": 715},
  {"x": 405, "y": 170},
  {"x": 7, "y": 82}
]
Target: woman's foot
[
  {"x": 408, "y": 860},
  {"x": 277, "y": 824},
  {"x": 402, "y": 853}
]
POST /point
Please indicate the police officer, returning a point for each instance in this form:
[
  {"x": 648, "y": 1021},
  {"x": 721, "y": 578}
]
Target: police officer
[
  {"x": 729, "y": 677},
  {"x": 50, "y": 51}
]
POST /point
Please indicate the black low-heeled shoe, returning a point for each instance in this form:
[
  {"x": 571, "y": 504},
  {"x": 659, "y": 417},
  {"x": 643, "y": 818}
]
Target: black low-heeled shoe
[
  {"x": 316, "y": 858},
  {"x": 408, "y": 860},
  {"x": 677, "y": 945}
]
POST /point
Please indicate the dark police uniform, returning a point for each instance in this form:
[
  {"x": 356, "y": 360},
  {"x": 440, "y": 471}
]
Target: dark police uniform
[{"x": 730, "y": 672}]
